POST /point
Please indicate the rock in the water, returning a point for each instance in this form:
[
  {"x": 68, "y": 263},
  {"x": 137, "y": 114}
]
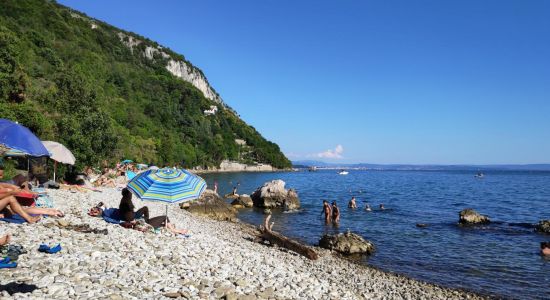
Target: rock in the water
[
  {"x": 213, "y": 206},
  {"x": 244, "y": 201},
  {"x": 469, "y": 216},
  {"x": 274, "y": 195},
  {"x": 346, "y": 243},
  {"x": 543, "y": 226}
]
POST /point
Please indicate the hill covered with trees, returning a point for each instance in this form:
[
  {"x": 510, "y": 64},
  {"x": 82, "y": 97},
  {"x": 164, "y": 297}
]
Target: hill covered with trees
[{"x": 107, "y": 94}]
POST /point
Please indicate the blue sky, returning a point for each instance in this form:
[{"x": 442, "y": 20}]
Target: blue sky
[{"x": 445, "y": 82}]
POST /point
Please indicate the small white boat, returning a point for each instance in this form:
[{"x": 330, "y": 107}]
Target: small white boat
[
  {"x": 479, "y": 175},
  {"x": 343, "y": 172}
]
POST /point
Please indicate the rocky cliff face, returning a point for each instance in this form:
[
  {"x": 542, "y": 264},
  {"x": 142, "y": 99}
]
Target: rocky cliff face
[{"x": 179, "y": 68}]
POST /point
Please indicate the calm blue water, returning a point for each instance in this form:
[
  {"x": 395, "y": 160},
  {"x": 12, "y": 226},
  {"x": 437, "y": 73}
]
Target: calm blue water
[{"x": 498, "y": 259}]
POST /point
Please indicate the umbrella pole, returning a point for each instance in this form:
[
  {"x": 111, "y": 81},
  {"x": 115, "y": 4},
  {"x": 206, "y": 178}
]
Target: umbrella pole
[
  {"x": 54, "y": 169},
  {"x": 166, "y": 220}
]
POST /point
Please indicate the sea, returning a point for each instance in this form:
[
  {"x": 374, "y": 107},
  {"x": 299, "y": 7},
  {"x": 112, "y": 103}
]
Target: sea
[{"x": 501, "y": 259}]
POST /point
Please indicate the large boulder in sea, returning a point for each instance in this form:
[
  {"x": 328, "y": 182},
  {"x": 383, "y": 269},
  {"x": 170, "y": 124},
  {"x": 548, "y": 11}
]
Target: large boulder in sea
[
  {"x": 543, "y": 227},
  {"x": 346, "y": 243},
  {"x": 211, "y": 205},
  {"x": 244, "y": 200},
  {"x": 274, "y": 195},
  {"x": 469, "y": 216}
]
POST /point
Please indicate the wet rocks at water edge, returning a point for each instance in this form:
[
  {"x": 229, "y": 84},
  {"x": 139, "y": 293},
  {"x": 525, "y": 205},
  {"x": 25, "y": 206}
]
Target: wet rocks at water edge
[
  {"x": 274, "y": 195},
  {"x": 543, "y": 226},
  {"x": 244, "y": 200},
  {"x": 213, "y": 206},
  {"x": 346, "y": 243},
  {"x": 469, "y": 216}
]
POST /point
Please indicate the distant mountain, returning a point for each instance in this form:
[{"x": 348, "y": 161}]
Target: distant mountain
[
  {"x": 109, "y": 94},
  {"x": 511, "y": 167}
]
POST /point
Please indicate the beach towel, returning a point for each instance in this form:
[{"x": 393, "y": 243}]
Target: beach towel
[
  {"x": 111, "y": 215},
  {"x": 44, "y": 201},
  {"x": 16, "y": 219},
  {"x": 26, "y": 199}
]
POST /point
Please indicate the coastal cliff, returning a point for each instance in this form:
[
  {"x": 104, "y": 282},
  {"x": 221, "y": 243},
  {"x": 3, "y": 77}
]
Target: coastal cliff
[{"x": 177, "y": 67}]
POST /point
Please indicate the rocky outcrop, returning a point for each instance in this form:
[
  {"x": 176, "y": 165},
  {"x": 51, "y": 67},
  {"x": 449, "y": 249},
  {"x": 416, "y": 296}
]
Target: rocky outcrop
[
  {"x": 212, "y": 205},
  {"x": 346, "y": 243},
  {"x": 187, "y": 72},
  {"x": 469, "y": 216},
  {"x": 178, "y": 68},
  {"x": 543, "y": 227},
  {"x": 243, "y": 200},
  {"x": 274, "y": 195},
  {"x": 231, "y": 166}
]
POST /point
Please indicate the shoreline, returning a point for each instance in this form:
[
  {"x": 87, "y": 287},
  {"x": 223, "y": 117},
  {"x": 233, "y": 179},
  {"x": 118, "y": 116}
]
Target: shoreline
[
  {"x": 219, "y": 171},
  {"x": 219, "y": 260},
  {"x": 248, "y": 227}
]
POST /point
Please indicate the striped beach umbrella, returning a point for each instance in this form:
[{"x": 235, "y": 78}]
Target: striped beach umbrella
[{"x": 167, "y": 185}]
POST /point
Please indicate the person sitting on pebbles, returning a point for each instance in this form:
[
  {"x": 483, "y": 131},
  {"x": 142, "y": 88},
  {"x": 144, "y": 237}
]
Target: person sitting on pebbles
[
  {"x": 10, "y": 206},
  {"x": 127, "y": 214},
  {"x": 19, "y": 180}
]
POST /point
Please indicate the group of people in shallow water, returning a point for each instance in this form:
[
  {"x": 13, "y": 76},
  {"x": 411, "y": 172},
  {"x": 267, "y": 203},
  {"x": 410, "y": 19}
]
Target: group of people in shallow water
[{"x": 332, "y": 211}]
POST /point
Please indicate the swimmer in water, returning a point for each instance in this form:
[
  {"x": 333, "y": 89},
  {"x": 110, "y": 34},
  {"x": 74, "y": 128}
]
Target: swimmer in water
[
  {"x": 327, "y": 211},
  {"x": 545, "y": 249},
  {"x": 367, "y": 207},
  {"x": 352, "y": 203},
  {"x": 335, "y": 213}
]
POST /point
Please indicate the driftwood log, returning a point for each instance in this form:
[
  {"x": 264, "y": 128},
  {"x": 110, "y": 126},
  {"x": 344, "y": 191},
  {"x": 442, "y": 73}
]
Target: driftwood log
[{"x": 282, "y": 241}]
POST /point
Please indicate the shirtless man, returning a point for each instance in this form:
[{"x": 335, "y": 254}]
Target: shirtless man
[
  {"x": 327, "y": 211},
  {"x": 335, "y": 213},
  {"x": 352, "y": 203}
]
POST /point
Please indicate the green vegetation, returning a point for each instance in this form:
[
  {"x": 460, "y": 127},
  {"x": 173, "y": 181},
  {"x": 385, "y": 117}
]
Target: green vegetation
[{"x": 83, "y": 87}]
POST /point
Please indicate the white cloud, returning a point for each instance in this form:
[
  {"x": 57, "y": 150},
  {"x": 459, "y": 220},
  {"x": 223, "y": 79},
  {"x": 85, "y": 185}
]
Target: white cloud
[{"x": 334, "y": 154}]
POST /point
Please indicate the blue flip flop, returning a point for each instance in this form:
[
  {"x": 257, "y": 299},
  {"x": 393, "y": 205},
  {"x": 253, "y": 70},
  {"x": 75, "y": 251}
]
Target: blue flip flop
[
  {"x": 5, "y": 263},
  {"x": 46, "y": 249}
]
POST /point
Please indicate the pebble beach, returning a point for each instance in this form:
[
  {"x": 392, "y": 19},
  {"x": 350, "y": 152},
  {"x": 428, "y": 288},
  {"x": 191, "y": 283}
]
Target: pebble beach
[{"x": 219, "y": 260}]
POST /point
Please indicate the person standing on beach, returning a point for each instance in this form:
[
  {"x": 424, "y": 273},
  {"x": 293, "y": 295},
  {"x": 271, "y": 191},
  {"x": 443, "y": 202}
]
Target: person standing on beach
[
  {"x": 327, "y": 211},
  {"x": 352, "y": 203},
  {"x": 335, "y": 213}
]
